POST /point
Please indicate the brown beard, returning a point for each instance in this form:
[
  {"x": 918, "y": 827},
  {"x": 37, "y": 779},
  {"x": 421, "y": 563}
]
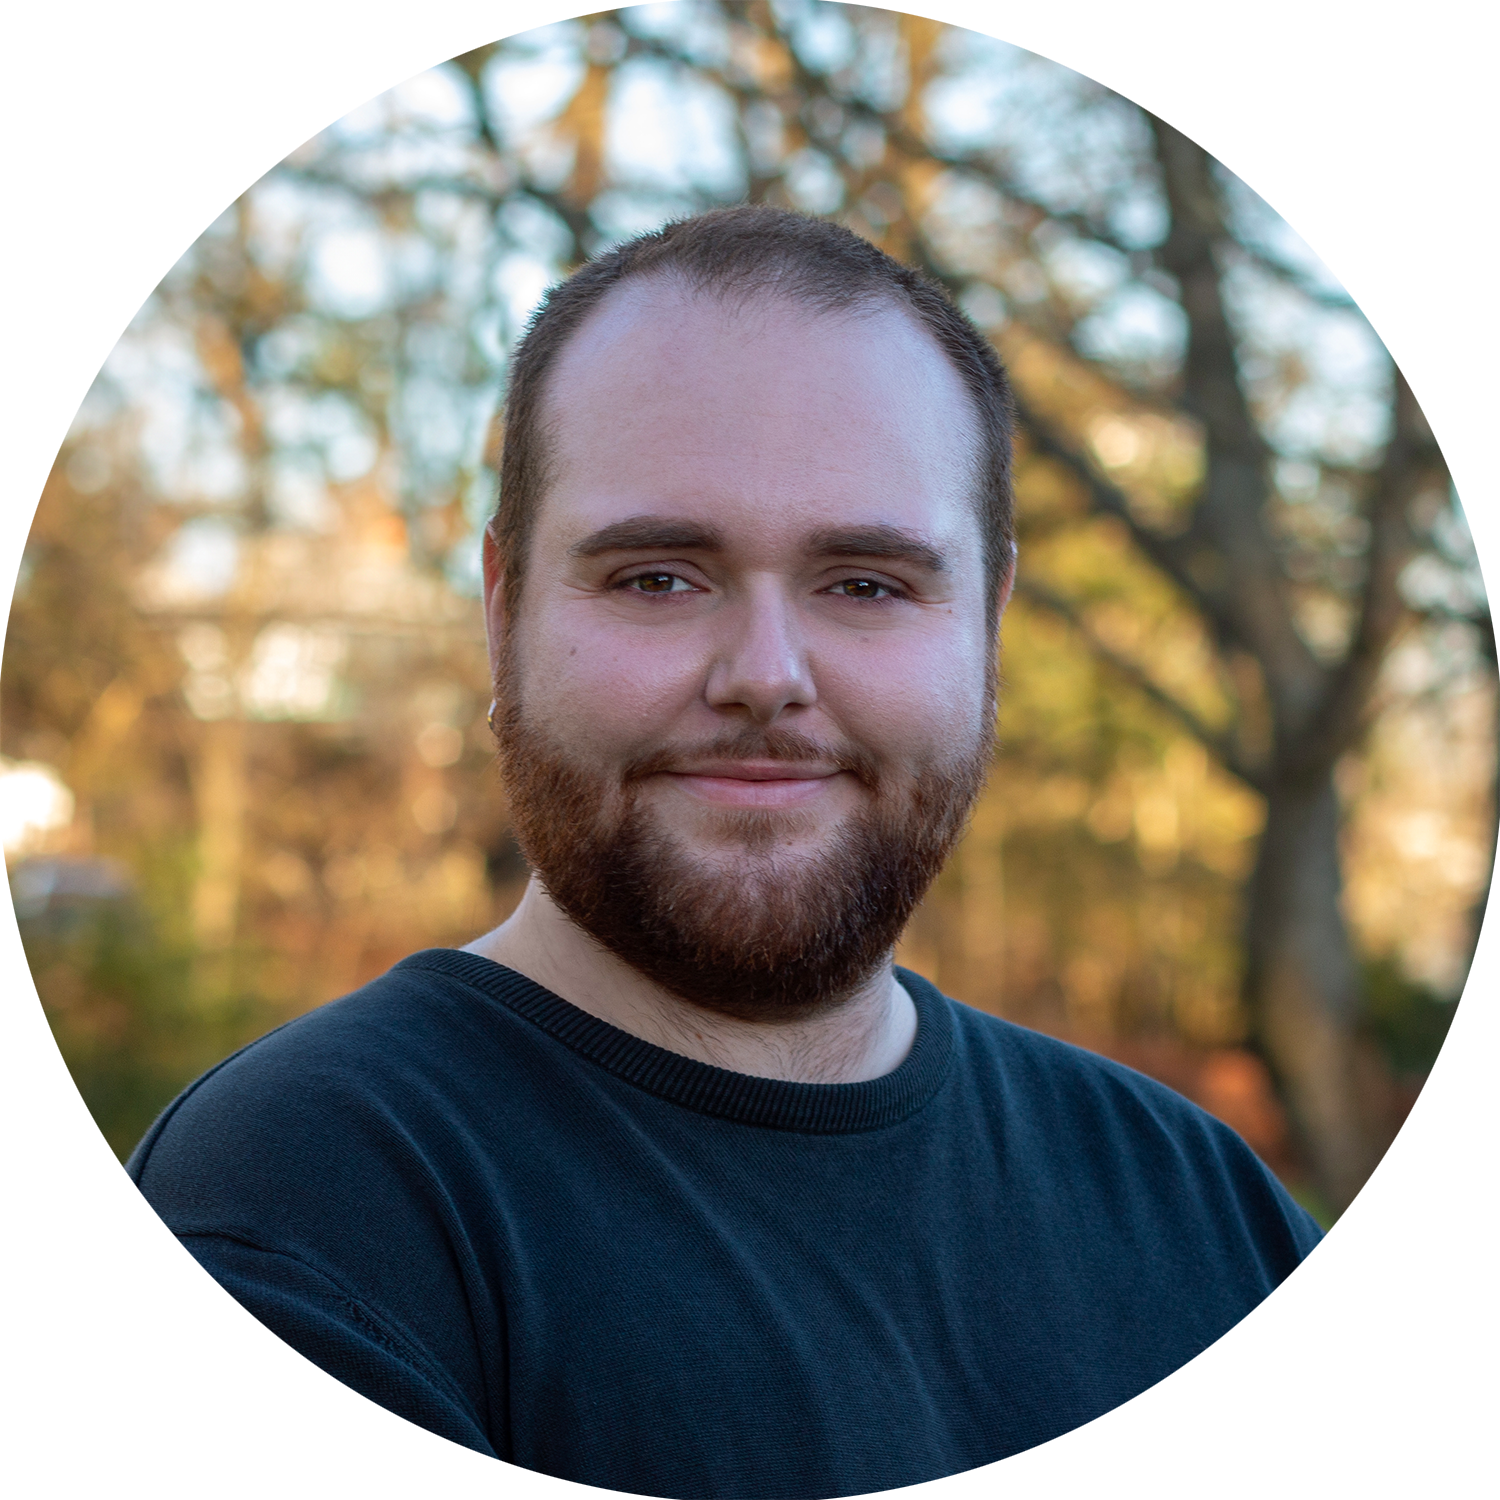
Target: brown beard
[{"x": 760, "y": 941}]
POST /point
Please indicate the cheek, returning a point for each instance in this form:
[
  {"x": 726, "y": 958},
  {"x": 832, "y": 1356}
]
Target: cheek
[
  {"x": 919, "y": 701},
  {"x": 617, "y": 686}
]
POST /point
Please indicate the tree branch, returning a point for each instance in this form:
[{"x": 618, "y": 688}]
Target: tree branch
[
  {"x": 1410, "y": 459},
  {"x": 1335, "y": 301},
  {"x": 1223, "y": 746},
  {"x": 1107, "y": 499}
]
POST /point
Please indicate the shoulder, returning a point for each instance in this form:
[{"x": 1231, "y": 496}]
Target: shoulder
[
  {"x": 1108, "y": 1135},
  {"x": 373, "y": 1086},
  {"x": 345, "y": 1044},
  {"x": 1058, "y": 1075}
]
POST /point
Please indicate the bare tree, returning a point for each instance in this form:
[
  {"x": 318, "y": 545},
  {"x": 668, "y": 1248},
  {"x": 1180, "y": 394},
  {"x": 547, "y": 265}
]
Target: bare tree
[{"x": 1283, "y": 556}]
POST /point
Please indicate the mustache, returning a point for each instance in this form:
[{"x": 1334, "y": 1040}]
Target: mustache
[{"x": 752, "y": 742}]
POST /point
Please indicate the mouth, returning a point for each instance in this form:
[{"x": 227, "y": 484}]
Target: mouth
[{"x": 756, "y": 784}]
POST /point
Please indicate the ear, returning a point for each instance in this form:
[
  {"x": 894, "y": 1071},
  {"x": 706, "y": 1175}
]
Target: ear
[
  {"x": 1007, "y": 583},
  {"x": 494, "y": 597}
]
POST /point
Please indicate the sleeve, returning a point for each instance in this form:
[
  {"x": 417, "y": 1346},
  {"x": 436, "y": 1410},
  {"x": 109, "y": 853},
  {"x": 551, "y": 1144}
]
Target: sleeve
[
  {"x": 344, "y": 1338},
  {"x": 309, "y": 1175}
]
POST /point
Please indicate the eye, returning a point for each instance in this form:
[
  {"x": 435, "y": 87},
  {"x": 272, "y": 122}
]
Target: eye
[
  {"x": 862, "y": 588},
  {"x": 656, "y": 583}
]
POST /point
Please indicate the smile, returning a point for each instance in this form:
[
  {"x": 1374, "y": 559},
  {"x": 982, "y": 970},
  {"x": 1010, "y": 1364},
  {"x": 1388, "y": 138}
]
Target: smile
[{"x": 752, "y": 784}]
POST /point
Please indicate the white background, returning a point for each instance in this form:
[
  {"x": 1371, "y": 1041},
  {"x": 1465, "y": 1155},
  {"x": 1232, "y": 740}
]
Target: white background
[{"x": 128, "y": 128}]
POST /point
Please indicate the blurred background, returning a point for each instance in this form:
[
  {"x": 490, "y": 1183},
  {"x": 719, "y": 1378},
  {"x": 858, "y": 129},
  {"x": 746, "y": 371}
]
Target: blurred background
[{"x": 1242, "y": 819}]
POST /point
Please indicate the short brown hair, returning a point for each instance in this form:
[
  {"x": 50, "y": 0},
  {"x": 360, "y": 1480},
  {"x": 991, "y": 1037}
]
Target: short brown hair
[{"x": 739, "y": 253}]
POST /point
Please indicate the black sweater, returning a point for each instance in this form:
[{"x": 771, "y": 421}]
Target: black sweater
[{"x": 546, "y": 1239}]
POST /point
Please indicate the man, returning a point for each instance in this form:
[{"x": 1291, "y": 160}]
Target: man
[{"x": 672, "y": 1184}]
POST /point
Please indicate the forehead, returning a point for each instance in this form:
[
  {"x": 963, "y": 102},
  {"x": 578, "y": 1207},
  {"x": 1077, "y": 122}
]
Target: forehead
[{"x": 764, "y": 412}]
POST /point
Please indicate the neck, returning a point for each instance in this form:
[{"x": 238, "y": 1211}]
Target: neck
[{"x": 864, "y": 1035}]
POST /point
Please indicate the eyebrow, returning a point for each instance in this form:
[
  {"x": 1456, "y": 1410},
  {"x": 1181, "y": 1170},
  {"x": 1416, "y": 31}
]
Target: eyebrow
[
  {"x": 650, "y": 534},
  {"x": 877, "y": 541},
  {"x": 668, "y": 534}
]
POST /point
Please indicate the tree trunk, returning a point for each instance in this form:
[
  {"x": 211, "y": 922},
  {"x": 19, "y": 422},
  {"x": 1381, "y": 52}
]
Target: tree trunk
[{"x": 1302, "y": 985}]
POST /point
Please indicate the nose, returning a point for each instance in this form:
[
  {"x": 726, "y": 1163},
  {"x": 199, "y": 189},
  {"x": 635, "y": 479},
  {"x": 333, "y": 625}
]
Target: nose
[{"x": 761, "y": 662}]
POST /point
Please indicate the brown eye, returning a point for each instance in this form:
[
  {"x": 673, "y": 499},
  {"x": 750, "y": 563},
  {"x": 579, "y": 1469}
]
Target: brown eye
[
  {"x": 860, "y": 588},
  {"x": 655, "y": 583}
]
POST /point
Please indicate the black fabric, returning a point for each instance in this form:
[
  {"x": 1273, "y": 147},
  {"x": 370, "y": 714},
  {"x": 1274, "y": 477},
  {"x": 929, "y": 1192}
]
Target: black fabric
[{"x": 548, "y": 1240}]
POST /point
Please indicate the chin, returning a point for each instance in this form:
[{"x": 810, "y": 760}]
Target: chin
[{"x": 721, "y": 837}]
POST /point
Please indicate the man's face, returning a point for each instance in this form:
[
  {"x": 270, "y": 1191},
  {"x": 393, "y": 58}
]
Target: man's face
[{"x": 748, "y": 693}]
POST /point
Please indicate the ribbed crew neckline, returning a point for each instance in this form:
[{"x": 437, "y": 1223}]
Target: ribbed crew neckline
[{"x": 776, "y": 1103}]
